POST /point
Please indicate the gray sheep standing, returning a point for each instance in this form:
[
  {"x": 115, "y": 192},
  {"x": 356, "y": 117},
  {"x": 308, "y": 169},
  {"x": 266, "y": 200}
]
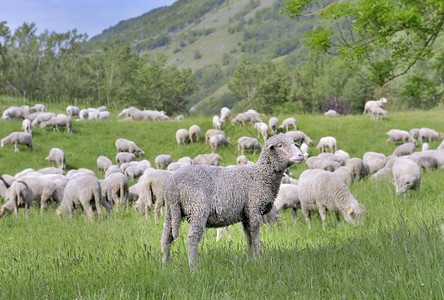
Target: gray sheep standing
[
  {"x": 210, "y": 196},
  {"x": 153, "y": 189},
  {"x": 300, "y": 137},
  {"x": 18, "y": 138},
  {"x": 124, "y": 145},
  {"x": 324, "y": 191},
  {"x": 57, "y": 156},
  {"x": 246, "y": 142},
  {"x": 212, "y": 132},
  {"x": 162, "y": 161},
  {"x": 405, "y": 149},
  {"x": 218, "y": 140},
  {"x": 119, "y": 189},
  {"x": 123, "y": 157},
  {"x": 19, "y": 195}
]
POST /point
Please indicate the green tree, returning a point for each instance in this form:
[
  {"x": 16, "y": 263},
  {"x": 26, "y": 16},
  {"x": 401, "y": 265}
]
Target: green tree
[{"x": 243, "y": 85}]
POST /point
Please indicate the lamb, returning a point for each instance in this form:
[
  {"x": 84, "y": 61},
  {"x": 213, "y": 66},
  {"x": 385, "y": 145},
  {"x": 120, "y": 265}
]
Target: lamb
[
  {"x": 225, "y": 113},
  {"x": 359, "y": 167},
  {"x": 212, "y": 159},
  {"x": 262, "y": 129},
  {"x": 123, "y": 157},
  {"x": 331, "y": 112},
  {"x": 119, "y": 188},
  {"x": 396, "y": 135},
  {"x": 300, "y": 137},
  {"x": 288, "y": 198},
  {"x": 329, "y": 142},
  {"x": 19, "y": 195},
  {"x": 273, "y": 124},
  {"x": 39, "y": 107},
  {"x": 26, "y": 126},
  {"x": 241, "y": 119},
  {"x": 216, "y": 122},
  {"x": 57, "y": 156},
  {"x": 287, "y": 123},
  {"x": 430, "y": 134},
  {"x": 374, "y": 103},
  {"x": 103, "y": 163},
  {"x": 210, "y": 196},
  {"x": 218, "y": 140},
  {"x": 242, "y": 160},
  {"x": 153, "y": 189},
  {"x": 72, "y": 111},
  {"x": 246, "y": 142},
  {"x": 406, "y": 175},
  {"x": 86, "y": 191},
  {"x": 324, "y": 191},
  {"x": 181, "y": 136},
  {"x": 162, "y": 161},
  {"x": 405, "y": 149},
  {"x": 57, "y": 122},
  {"x": 18, "y": 138},
  {"x": 414, "y": 132},
  {"x": 378, "y": 112},
  {"x": 124, "y": 145},
  {"x": 194, "y": 133},
  {"x": 211, "y": 132}
]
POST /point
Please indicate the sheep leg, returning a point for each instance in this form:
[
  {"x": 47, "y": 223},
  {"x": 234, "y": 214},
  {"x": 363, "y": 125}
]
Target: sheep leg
[
  {"x": 107, "y": 206},
  {"x": 16, "y": 149},
  {"x": 338, "y": 216},
  {"x": 294, "y": 212},
  {"x": 87, "y": 207},
  {"x": 195, "y": 233},
  {"x": 323, "y": 214},
  {"x": 167, "y": 236},
  {"x": 157, "y": 207},
  {"x": 307, "y": 215},
  {"x": 246, "y": 228}
]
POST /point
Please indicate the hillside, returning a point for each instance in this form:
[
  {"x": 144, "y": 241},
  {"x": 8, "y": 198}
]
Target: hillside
[{"x": 211, "y": 36}]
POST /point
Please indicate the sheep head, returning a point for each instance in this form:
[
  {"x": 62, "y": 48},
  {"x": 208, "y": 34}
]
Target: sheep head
[{"x": 280, "y": 152}]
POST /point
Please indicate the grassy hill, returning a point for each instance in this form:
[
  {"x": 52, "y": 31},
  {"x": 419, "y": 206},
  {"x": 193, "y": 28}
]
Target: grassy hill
[{"x": 396, "y": 253}]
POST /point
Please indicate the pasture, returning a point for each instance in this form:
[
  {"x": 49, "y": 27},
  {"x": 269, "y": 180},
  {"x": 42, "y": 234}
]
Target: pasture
[{"x": 397, "y": 253}]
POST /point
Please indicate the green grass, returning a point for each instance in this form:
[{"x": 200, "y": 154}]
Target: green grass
[{"x": 397, "y": 252}]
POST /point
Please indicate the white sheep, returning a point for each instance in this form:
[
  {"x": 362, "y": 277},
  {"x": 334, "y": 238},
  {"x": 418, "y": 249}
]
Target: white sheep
[
  {"x": 211, "y": 132},
  {"x": 273, "y": 124},
  {"x": 58, "y": 121},
  {"x": 322, "y": 191},
  {"x": 162, "y": 161},
  {"x": 429, "y": 134},
  {"x": 103, "y": 163},
  {"x": 225, "y": 113},
  {"x": 123, "y": 157},
  {"x": 104, "y": 115},
  {"x": 43, "y": 117},
  {"x": 72, "y": 110},
  {"x": 210, "y": 196},
  {"x": 241, "y": 119},
  {"x": 396, "y": 135},
  {"x": 218, "y": 140},
  {"x": 216, "y": 122},
  {"x": 262, "y": 129},
  {"x": 26, "y": 126},
  {"x": 405, "y": 149},
  {"x": 212, "y": 159},
  {"x": 153, "y": 188},
  {"x": 359, "y": 167},
  {"x": 246, "y": 142},
  {"x": 377, "y": 113},
  {"x": 181, "y": 136},
  {"x": 44, "y": 189},
  {"x": 343, "y": 154},
  {"x": 426, "y": 147},
  {"x": 327, "y": 142},
  {"x": 253, "y": 116},
  {"x": 57, "y": 156},
  {"x": 39, "y": 107},
  {"x": 300, "y": 137},
  {"x": 345, "y": 173},
  {"x": 19, "y": 195},
  {"x": 194, "y": 133},
  {"x": 288, "y": 198},
  {"x": 406, "y": 175},
  {"x": 18, "y": 138},
  {"x": 331, "y": 112},
  {"x": 124, "y": 145},
  {"x": 10, "y": 113},
  {"x": 441, "y": 146},
  {"x": 374, "y": 103},
  {"x": 119, "y": 188},
  {"x": 305, "y": 148},
  {"x": 287, "y": 123},
  {"x": 242, "y": 160}
]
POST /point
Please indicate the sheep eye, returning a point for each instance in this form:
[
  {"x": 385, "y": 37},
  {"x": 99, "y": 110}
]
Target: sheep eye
[
  {"x": 297, "y": 145},
  {"x": 280, "y": 145}
]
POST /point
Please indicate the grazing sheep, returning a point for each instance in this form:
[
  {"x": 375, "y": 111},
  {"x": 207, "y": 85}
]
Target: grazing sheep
[
  {"x": 373, "y": 155},
  {"x": 378, "y": 112},
  {"x": 374, "y": 165},
  {"x": 19, "y": 195},
  {"x": 345, "y": 156},
  {"x": 104, "y": 115},
  {"x": 153, "y": 189},
  {"x": 181, "y": 136},
  {"x": 374, "y": 103},
  {"x": 124, "y": 145},
  {"x": 331, "y": 112},
  {"x": 426, "y": 162},
  {"x": 396, "y": 135},
  {"x": 299, "y": 137},
  {"x": 194, "y": 133},
  {"x": 103, "y": 163},
  {"x": 383, "y": 174},
  {"x": 241, "y": 119},
  {"x": 133, "y": 172},
  {"x": 18, "y": 138},
  {"x": 72, "y": 111},
  {"x": 84, "y": 190},
  {"x": 43, "y": 189},
  {"x": 405, "y": 149},
  {"x": 10, "y": 113},
  {"x": 253, "y": 116},
  {"x": 288, "y": 198},
  {"x": 123, "y": 157},
  {"x": 57, "y": 122},
  {"x": 212, "y": 159},
  {"x": 83, "y": 114},
  {"x": 429, "y": 134},
  {"x": 436, "y": 154},
  {"x": 441, "y": 146},
  {"x": 119, "y": 188},
  {"x": 211, "y": 132},
  {"x": 246, "y": 142},
  {"x": 162, "y": 161},
  {"x": 262, "y": 129},
  {"x": 57, "y": 156},
  {"x": 359, "y": 167},
  {"x": 39, "y": 107},
  {"x": 225, "y": 113},
  {"x": 218, "y": 140},
  {"x": 425, "y": 147},
  {"x": 305, "y": 148},
  {"x": 112, "y": 169},
  {"x": 406, "y": 175},
  {"x": 329, "y": 142},
  {"x": 287, "y": 123},
  {"x": 43, "y": 117},
  {"x": 324, "y": 191},
  {"x": 273, "y": 124},
  {"x": 345, "y": 173},
  {"x": 210, "y": 196},
  {"x": 26, "y": 126},
  {"x": 216, "y": 122},
  {"x": 242, "y": 160}
]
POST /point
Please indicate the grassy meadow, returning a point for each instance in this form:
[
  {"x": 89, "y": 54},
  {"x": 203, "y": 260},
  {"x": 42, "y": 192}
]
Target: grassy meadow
[{"x": 397, "y": 253}]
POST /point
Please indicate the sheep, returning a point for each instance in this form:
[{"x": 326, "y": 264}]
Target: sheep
[
  {"x": 19, "y": 195},
  {"x": 72, "y": 111},
  {"x": 104, "y": 115},
  {"x": 103, "y": 163},
  {"x": 406, "y": 175},
  {"x": 246, "y": 142},
  {"x": 333, "y": 157},
  {"x": 225, "y": 113},
  {"x": 324, "y": 191},
  {"x": 179, "y": 118},
  {"x": 436, "y": 154},
  {"x": 305, "y": 148},
  {"x": 18, "y": 138},
  {"x": 153, "y": 188},
  {"x": 287, "y": 123},
  {"x": 181, "y": 136},
  {"x": 26, "y": 126},
  {"x": 373, "y": 155},
  {"x": 39, "y": 107},
  {"x": 253, "y": 116},
  {"x": 218, "y": 140},
  {"x": 299, "y": 137},
  {"x": 343, "y": 154},
  {"x": 10, "y": 113},
  {"x": 383, "y": 174},
  {"x": 374, "y": 165},
  {"x": 262, "y": 129},
  {"x": 322, "y": 163},
  {"x": 405, "y": 149},
  {"x": 212, "y": 159},
  {"x": 425, "y": 147},
  {"x": 4, "y": 186},
  {"x": 162, "y": 161},
  {"x": 396, "y": 135},
  {"x": 43, "y": 189},
  {"x": 42, "y": 117},
  {"x": 124, "y": 145},
  {"x": 441, "y": 146},
  {"x": 331, "y": 112},
  {"x": 414, "y": 132},
  {"x": 83, "y": 190},
  {"x": 241, "y": 119},
  {"x": 345, "y": 173},
  {"x": 133, "y": 172},
  {"x": 273, "y": 124},
  {"x": 210, "y": 196},
  {"x": 83, "y": 114},
  {"x": 242, "y": 160},
  {"x": 430, "y": 134},
  {"x": 119, "y": 188},
  {"x": 288, "y": 198},
  {"x": 123, "y": 157},
  {"x": 216, "y": 122},
  {"x": 374, "y": 103},
  {"x": 211, "y": 132},
  {"x": 426, "y": 162},
  {"x": 57, "y": 122},
  {"x": 329, "y": 142},
  {"x": 194, "y": 133},
  {"x": 112, "y": 169},
  {"x": 359, "y": 167},
  {"x": 378, "y": 112},
  {"x": 57, "y": 156}
]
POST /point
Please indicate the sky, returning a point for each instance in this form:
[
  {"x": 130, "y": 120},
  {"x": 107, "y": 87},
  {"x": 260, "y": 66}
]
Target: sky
[{"x": 87, "y": 16}]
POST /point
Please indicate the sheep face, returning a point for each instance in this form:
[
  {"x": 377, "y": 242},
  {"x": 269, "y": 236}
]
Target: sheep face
[
  {"x": 403, "y": 184},
  {"x": 283, "y": 151},
  {"x": 355, "y": 214}
]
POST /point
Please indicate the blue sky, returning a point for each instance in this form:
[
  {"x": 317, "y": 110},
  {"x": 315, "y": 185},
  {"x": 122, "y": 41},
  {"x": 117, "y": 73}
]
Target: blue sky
[{"x": 87, "y": 16}]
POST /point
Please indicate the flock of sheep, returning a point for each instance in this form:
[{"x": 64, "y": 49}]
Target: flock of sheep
[{"x": 208, "y": 195}]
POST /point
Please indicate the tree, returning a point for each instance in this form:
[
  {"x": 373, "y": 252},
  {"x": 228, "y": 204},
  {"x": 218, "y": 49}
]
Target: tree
[
  {"x": 243, "y": 84},
  {"x": 391, "y": 36}
]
